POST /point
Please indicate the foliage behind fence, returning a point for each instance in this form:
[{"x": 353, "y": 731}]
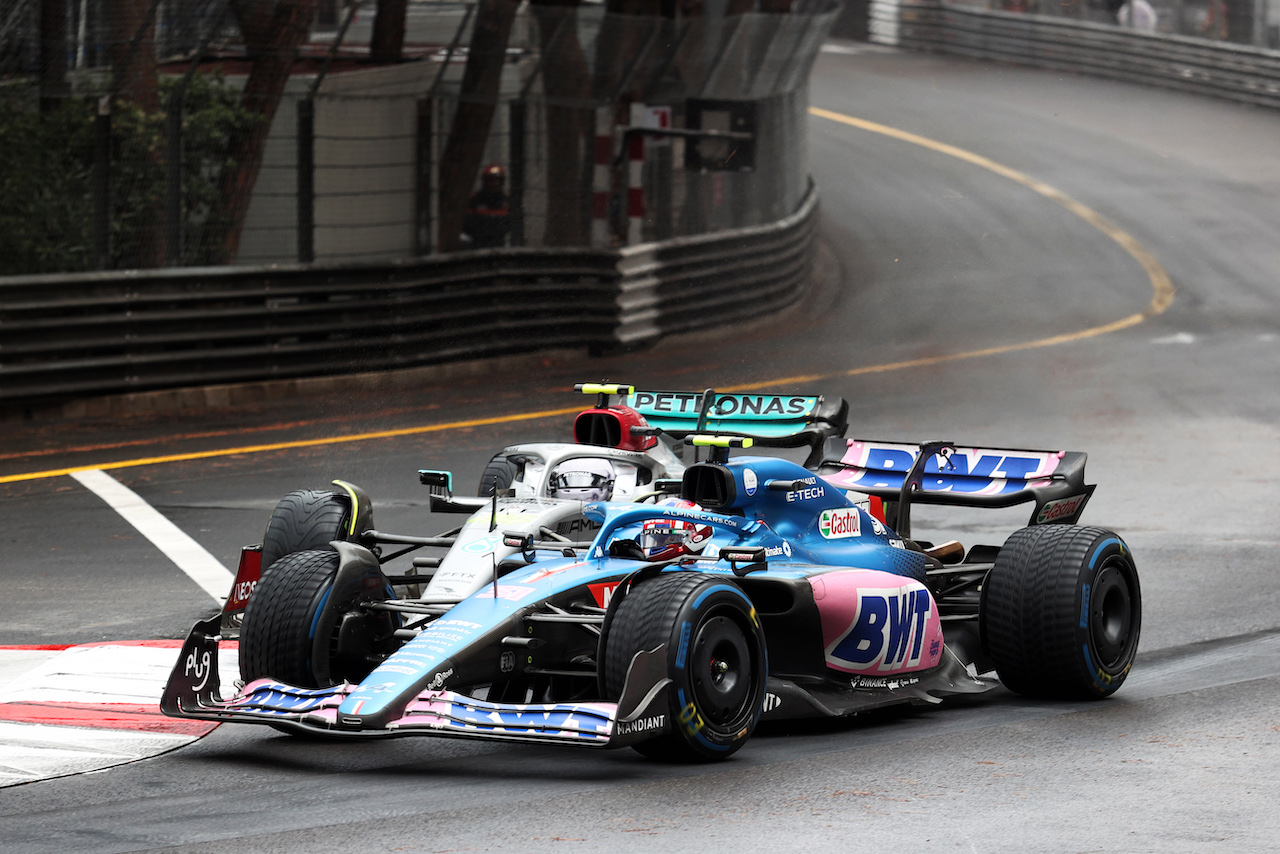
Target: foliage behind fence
[{"x": 366, "y": 160}]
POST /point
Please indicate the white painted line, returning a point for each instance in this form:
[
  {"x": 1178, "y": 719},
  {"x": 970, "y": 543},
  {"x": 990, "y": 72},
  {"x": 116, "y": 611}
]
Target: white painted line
[
  {"x": 38, "y": 752},
  {"x": 96, "y": 674},
  {"x": 1176, "y": 338},
  {"x": 65, "y": 709},
  {"x": 191, "y": 557},
  {"x": 15, "y": 662},
  {"x": 108, "y": 673}
]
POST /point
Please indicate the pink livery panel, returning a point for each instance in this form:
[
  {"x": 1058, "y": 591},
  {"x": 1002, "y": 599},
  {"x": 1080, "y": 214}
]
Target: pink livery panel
[{"x": 874, "y": 623}]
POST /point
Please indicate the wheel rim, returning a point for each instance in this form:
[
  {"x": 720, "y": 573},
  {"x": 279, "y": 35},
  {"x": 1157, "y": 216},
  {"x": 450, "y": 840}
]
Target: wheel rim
[
  {"x": 722, "y": 672},
  {"x": 1111, "y": 617}
]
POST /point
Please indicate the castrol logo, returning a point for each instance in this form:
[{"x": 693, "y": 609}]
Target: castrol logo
[
  {"x": 838, "y": 524},
  {"x": 1063, "y": 508}
]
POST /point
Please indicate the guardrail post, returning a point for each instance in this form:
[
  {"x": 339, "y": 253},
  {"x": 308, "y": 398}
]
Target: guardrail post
[
  {"x": 173, "y": 184},
  {"x": 306, "y": 180},
  {"x": 422, "y": 184},
  {"x": 517, "y": 112},
  {"x": 102, "y": 185},
  {"x": 635, "y": 177},
  {"x": 602, "y": 177}
]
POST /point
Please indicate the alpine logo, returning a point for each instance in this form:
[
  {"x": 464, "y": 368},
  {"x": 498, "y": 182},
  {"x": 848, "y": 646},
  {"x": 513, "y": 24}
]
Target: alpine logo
[{"x": 841, "y": 523}]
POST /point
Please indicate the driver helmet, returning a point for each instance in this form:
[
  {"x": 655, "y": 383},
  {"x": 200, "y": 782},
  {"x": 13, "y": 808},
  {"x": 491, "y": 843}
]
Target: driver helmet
[
  {"x": 582, "y": 480},
  {"x": 664, "y": 539}
]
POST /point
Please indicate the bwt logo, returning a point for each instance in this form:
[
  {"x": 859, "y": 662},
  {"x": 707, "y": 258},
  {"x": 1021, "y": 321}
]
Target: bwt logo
[
  {"x": 560, "y": 720},
  {"x": 888, "y": 631},
  {"x": 963, "y": 471}
]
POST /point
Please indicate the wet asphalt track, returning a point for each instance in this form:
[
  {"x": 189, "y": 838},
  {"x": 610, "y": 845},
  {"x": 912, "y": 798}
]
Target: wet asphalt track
[{"x": 926, "y": 257}]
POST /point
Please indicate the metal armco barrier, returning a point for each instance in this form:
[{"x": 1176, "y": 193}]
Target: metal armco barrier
[
  {"x": 1236, "y": 72},
  {"x": 695, "y": 282},
  {"x": 71, "y": 336}
]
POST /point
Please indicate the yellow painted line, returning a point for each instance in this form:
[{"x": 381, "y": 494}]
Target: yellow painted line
[
  {"x": 1161, "y": 286},
  {"x": 301, "y": 443}
]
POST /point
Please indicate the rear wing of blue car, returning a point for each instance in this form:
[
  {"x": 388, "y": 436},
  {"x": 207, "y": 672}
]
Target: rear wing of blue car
[
  {"x": 950, "y": 474},
  {"x": 770, "y": 420}
]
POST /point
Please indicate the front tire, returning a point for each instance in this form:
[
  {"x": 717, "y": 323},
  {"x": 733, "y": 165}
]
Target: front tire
[
  {"x": 304, "y": 520},
  {"x": 716, "y": 659},
  {"x": 293, "y": 633},
  {"x": 1062, "y": 611}
]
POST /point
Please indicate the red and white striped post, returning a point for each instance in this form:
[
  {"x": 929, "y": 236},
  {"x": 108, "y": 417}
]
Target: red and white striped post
[
  {"x": 602, "y": 177},
  {"x": 635, "y": 177}
]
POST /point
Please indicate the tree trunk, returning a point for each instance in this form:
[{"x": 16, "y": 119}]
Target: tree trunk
[
  {"x": 565, "y": 76},
  {"x": 272, "y": 39},
  {"x": 464, "y": 149},
  {"x": 132, "y": 51},
  {"x": 53, "y": 54},
  {"x": 387, "y": 44}
]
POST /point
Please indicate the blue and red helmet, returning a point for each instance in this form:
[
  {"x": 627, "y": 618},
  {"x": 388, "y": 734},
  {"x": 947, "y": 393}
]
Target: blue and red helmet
[{"x": 665, "y": 539}]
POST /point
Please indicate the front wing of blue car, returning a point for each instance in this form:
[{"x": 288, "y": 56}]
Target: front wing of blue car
[{"x": 193, "y": 691}]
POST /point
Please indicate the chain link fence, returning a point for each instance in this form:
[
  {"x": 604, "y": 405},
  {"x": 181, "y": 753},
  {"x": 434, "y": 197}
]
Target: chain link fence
[{"x": 141, "y": 135}]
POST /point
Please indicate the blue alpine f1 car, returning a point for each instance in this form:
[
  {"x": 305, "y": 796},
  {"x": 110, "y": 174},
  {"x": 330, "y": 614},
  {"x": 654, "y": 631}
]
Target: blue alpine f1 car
[{"x": 746, "y": 588}]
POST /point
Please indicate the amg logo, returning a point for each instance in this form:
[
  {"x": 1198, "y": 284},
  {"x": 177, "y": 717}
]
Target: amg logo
[{"x": 641, "y": 725}]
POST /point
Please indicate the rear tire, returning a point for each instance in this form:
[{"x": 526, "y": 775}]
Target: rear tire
[
  {"x": 716, "y": 659},
  {"x": 304, "y": 520},
  {"x": 290, "y": 635},
  {"x": 1062, "y": 612},
  {"x": 499, "y": 474}
]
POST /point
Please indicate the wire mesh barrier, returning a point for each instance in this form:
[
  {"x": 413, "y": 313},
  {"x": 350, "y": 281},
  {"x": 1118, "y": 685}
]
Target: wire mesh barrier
[
  {"x": 150, "y": 134},
  {"x": 70, "y": 336},
  {"x": 1233, "y": 71}
]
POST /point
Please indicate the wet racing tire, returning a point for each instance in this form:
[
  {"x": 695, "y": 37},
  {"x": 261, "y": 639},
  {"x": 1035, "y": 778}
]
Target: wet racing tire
[
  {"x": 305, "y": 519},
  {"x": 290, "y": 633},
  {"x": 716, "y": 660},
  {"x": 1062, "y": 611},
  {"x": 500, "y": 473}
]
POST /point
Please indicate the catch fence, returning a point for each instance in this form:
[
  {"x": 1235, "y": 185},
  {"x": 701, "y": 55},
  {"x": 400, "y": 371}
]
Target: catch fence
[{"x": 369, "y": 161}]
